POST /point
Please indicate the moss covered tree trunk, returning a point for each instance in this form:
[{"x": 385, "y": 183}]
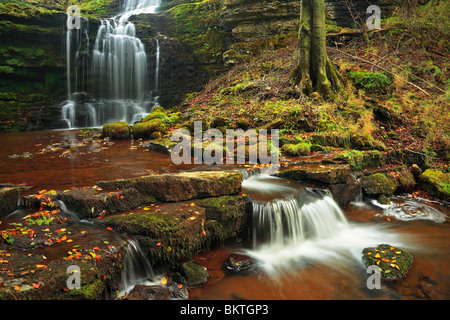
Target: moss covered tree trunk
[{"x": 314, "y": 71}]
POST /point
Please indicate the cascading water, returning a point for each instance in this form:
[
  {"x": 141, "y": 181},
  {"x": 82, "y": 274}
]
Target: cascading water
[
  {"x": 137, "y": 269},
  {"x": 294, "y": 226},
  {"x": 118, "y": 75}
]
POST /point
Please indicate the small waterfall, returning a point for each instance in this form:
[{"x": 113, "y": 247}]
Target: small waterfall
[
  {"x": 294, "y": 226},
  {"x": 137, "y": 269}
]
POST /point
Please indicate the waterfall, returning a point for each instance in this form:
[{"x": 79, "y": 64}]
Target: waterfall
[
  {"x": 294, "y": 226},
  {"x": 136, "y": 270},
  {"x": 117, "y": 73}
]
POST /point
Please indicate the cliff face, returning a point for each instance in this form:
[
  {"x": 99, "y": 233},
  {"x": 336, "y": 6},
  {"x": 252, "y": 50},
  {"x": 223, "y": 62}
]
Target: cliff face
[
  {"x": 31, "y": 64},
  {"x": 250, "y": 20}
]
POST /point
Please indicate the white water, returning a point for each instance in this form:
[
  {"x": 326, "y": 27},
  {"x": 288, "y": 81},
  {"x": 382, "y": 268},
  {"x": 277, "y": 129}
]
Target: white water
[
  {"x": 301, "y": 226},
  {"x": 137, "y": 269},
  {"x": 118, "y": 72}
]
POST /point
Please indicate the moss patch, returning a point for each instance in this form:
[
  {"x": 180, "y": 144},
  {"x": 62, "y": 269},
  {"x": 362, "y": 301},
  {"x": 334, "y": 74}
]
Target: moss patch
[
  {"x": 436, "y": 183},
  {"x": 117, "y": 130}
]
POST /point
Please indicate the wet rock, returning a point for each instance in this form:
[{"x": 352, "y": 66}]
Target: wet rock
[
  {"x": 238, "y": 262},
  {"x": 173, "y": 232},
  {"x": 190, "y": 274},
  {"x": 90, "y": 203},
  {"x": 388, "y": 183},
  {"x": 393, "y": 263},
  {"x": 141, "y": 292},
  {"x": 163, "y": 145},
  {"x": 8, "y": 199},
  {"x": 182, "y": 186},
  {"x": 344, "y": 193},
  {"x": 326, "y": 173}
]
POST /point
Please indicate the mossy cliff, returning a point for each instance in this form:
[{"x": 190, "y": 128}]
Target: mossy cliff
[{"x": 31, "y": 63}]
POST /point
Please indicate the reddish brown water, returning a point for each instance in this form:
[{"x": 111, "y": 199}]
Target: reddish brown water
[
  {"x": 428, "y": 278},
  {"x": 92, "y": 161}
]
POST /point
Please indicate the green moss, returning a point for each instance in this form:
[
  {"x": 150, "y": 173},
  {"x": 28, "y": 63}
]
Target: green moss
[
  {"x": 370, "y": 81},
  {"x": 196, "y": 25},
  {"x": 145, "y": 130},
  {"x": 436, "y": 183},
  {"x": 117, "y": 130},
  {"x": 380, "y": 183},
  {"x": 360, "y": 160},
  {"x": 90, "y": 291},
  {"x": 300, "y": 149}
]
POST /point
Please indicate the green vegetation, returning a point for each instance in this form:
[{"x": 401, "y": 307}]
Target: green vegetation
[
  {"x": 370, "y": 81},
  {"x": 117, "y": 130}
]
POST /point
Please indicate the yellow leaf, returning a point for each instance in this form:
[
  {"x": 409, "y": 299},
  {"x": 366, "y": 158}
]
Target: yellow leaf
[
  {"x": 92, "y": 254},
  {"x": 377, "y": 255}
]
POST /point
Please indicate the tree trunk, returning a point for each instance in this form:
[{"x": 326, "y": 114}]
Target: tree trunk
[{"x": 314, "y": 71}]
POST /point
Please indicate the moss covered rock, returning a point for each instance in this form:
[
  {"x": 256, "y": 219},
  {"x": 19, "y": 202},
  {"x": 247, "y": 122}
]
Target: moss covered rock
[
  {"x": 117, "y": 130},
  {"x": 181, "y": 186},
  {"x": 360, "y": 160},
  {"x": 388, "y": 183},
  {"x": 146, "y": 129},
  {"x": 171, "y": 233},
  {"x": 436, "y": 183},
  {"x": 393, "y": 263},
  {"x": 300, "y": 149}
]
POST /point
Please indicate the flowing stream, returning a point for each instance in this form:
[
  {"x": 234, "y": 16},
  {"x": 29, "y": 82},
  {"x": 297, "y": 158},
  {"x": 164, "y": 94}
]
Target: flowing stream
[
  {"x": 111, "y": 82},
  {"x": 294, "y": 226}
]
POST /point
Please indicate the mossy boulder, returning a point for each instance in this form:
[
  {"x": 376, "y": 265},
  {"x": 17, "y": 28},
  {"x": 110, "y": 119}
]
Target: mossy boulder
[
  {"x": 436, "y": 183},
  {"x": 300, "y": 149},
  {"x": 190, "y": 274},
  {"x": 387, "y": 184},
  {"x": 393, "y": 263},
  {"x": 145, "y": 130},
  {"x": 117, "y": 130}
]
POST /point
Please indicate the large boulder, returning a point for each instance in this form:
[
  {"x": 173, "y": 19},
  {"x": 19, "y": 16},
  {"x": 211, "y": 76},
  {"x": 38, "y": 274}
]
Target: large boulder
[{"x": 181, "y": 186}]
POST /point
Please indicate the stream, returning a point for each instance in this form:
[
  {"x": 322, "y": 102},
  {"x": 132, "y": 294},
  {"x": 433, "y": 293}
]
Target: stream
[{"x": 304, "y": 246}]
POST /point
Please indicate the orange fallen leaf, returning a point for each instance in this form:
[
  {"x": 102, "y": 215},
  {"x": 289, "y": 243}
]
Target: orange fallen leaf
[
  {"x": 63, "y": 238},
  {"x": 109, "y": 228},
  {"x": 37, "y": 285},
  {"x": 192, "y": 204},
  {"x": 17, "y": 288},
  {"x": 41, "y": 266}
]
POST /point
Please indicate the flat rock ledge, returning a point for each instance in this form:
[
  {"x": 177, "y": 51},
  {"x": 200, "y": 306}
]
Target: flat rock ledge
[{"x": 335, "y": 177}]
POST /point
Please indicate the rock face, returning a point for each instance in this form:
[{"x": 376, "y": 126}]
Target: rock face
[
  {"x": 182, "y": 186},
  {"x": 251, "y": 20}
]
